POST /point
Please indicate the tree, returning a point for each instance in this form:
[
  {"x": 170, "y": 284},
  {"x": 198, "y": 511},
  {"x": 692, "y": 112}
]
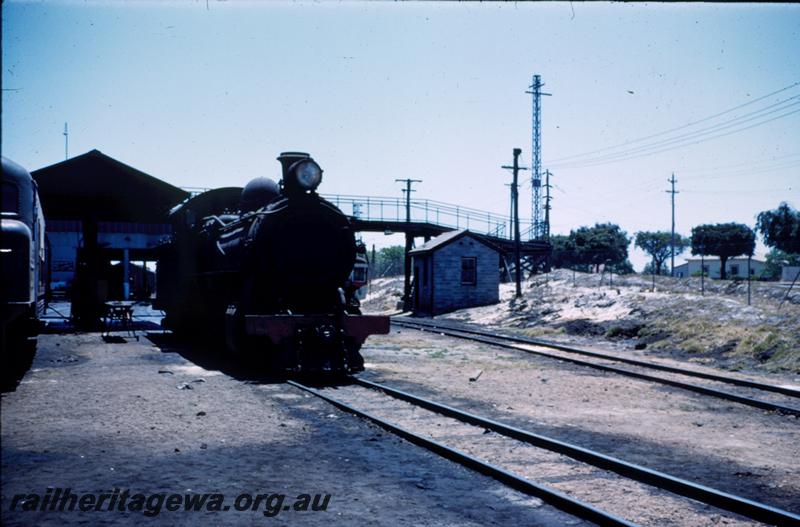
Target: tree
[
  {"x": 648, "y": 269},
  {"x": 605, "y": 243},
  {"x": 659, "y": 246},
  {"x": 781, "y": 228},
  {"x": 724, "y": 240},
  {"x": 389, "y": 261},
  {"x": 564, "y": 253},
  {"x": 622, "y": 268}
]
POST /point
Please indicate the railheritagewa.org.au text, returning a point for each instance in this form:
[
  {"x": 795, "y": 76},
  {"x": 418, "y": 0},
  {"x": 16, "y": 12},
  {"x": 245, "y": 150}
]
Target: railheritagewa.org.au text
[{"x": 65, "y": 500}]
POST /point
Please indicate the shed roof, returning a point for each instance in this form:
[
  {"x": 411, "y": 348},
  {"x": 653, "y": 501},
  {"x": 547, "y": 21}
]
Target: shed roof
[
  {"x": 97, "y": 186},
  {"x": 710, "y": 259},
  {"x": 447, "y": 238}
]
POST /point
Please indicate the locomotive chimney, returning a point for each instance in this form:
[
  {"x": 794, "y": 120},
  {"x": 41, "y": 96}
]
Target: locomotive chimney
[{"x": 287, "y": 159}]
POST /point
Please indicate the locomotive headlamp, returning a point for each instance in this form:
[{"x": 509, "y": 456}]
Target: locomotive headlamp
[{"x": 307, "y": 173}]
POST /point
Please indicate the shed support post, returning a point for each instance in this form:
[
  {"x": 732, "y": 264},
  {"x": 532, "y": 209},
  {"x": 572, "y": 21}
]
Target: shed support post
[{"x": 126, "y": 284}]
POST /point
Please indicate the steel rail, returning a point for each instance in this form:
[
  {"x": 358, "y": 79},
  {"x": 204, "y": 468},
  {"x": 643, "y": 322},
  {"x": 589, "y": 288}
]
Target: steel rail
[
  {"x": 497, "y": 341},
  {"x": 784, "y": 390},
  {"x": 722, "y": 500},
  {"x": 553, "y": 497}
]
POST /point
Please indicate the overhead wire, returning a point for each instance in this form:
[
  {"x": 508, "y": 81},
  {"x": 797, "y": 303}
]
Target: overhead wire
[
  {"x": 645, "y": 154},
  {"x": 738, "y": 165},
  {"x": 743, "y": 171},
  {"x": 757, "y": 114},
  {"x": 687, "y": 125}
]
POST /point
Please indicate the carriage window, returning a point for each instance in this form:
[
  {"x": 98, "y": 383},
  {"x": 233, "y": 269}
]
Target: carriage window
[
  {"x": 10, "y": 197},
  {"x": 360, "y": 274},
  {"x": 469, "y": 270}
]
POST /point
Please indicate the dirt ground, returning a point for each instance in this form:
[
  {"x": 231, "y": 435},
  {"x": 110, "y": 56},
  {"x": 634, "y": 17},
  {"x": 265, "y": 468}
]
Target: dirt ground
[
  {"x": 154, "y": 417},
  {"x": 92, "y": 416},
  {"x": 730, "y": 447}
]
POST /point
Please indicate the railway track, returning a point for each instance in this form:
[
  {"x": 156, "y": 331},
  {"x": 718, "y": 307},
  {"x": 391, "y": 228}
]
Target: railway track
[
  {"x": 677, "y": 486},
  {"x": 569, "y": 353}
]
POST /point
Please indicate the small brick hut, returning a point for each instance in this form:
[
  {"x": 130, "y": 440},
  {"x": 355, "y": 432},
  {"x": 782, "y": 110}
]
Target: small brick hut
[{"x": 453, "y": 271}]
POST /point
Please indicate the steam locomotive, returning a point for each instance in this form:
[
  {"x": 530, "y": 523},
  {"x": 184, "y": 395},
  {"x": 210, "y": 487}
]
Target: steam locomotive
[
  {"x": 273, "y": 265},
  {"x": 23, "y": 260}
]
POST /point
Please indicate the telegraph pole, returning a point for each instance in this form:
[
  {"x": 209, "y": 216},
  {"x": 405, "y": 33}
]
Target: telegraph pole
[
  {"x": 409, "y": 242},
  {"x": 515, "y": 205},
  {"x": 702, "y": 272},
  {"x": 673, "y": 192},
  {"x": 510, "y": 210},
  {"x": 547, "y": 199},
  {"x": 66, "y": 142}
]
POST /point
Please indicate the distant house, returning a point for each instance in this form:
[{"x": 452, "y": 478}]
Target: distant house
[
  {"x": 790, "y": 273},
  {"x": 734, "y": 267},
  {"x": 453, "y": 271}
]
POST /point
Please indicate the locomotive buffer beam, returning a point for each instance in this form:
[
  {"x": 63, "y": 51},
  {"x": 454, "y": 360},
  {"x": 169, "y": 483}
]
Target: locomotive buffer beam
[{"x": 281, "y": 327}]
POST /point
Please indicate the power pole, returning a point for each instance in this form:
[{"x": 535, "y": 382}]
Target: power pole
[
  {"x": 547, "y": 199},
  {"x": 749, "y": 258},
  {"x": 536, "y": 153},
  {"x": 511, "y": 210},
  {"x": 673, "y": 192},
  {"x": 702, "y": 272},
  {"x": 409, "y": 242},
  {"x": 66, "y": 142},
  {"x": 515, "y": 204}
]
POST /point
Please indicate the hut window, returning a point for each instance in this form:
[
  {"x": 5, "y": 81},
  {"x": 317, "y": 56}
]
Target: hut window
[{"x": 469, "y": 270}]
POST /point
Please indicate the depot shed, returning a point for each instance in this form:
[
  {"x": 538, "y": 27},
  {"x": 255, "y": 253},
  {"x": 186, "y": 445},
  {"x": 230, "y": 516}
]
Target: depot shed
[
  {"x": 94, "y": 200},
  {"x": 453, "y": 271}
]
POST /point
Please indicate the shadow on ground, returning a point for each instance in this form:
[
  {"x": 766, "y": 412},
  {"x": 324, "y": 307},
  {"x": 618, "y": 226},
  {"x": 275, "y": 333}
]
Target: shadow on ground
[
  {"x": 209, "y": 353},
  {"x": 18, "y": 360}
]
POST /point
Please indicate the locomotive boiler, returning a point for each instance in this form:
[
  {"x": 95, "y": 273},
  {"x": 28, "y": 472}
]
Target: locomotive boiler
[{"x": 270, "y": 264}]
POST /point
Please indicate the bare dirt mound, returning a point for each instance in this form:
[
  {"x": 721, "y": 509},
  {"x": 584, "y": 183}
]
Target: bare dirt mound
[{"x": 672, "y": 318}]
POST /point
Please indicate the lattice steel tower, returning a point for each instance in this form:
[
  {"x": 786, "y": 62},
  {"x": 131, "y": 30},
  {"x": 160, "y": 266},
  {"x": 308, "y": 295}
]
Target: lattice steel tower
[{"x": 536, "y": 157}]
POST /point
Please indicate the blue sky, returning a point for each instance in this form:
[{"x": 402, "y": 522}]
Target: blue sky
[{"x": 207, "y": 96}]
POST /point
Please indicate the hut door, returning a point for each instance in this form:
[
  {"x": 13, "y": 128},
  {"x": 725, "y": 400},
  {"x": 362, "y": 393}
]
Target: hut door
[{"x": 416, "y": 287}]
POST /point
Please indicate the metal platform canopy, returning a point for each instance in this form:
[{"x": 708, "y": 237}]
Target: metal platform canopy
[{"x": 100, "y": 210}]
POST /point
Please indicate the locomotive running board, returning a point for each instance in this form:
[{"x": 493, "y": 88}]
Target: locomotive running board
[{"x": 280, "y": 327}]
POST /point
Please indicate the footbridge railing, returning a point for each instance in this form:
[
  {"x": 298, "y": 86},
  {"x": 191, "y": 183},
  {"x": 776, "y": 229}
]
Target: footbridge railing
[{"x": 387, "y": 209}]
